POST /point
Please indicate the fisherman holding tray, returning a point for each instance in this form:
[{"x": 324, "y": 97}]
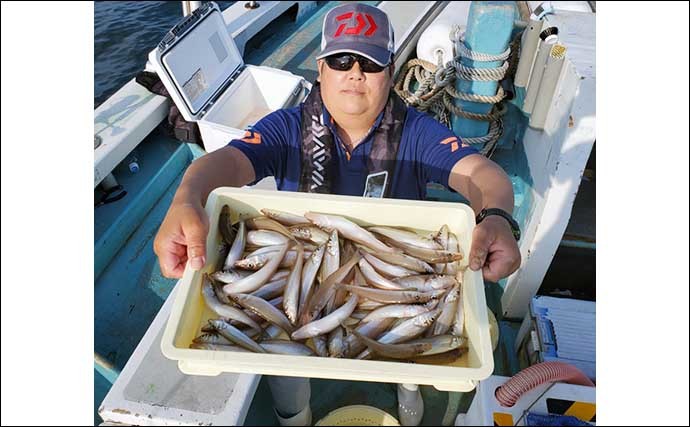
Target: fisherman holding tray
[{"x": 352, "y": 136}]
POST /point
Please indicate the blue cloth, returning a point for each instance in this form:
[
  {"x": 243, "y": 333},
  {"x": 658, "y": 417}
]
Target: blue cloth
[
  {"x": 427, "y": 153},
  {"x": 533, "y": 419}
]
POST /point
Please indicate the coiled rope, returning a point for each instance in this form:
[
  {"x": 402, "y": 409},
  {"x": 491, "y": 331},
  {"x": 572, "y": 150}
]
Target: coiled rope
[{"x": 436, "y": 91}]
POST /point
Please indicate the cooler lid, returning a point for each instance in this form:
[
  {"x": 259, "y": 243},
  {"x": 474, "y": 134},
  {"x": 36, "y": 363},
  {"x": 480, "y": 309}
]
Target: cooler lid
[{"x": 197, "y": 60}]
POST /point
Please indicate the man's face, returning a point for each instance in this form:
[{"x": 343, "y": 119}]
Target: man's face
[{"x": 354, "y": 92}]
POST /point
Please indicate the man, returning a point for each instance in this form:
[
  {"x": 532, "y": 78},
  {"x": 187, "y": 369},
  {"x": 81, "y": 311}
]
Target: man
[{"x": 352, "y": 133}]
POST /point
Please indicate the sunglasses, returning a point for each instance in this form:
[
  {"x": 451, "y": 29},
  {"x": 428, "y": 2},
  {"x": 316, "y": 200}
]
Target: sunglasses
[{"x": 345, "y": 62}]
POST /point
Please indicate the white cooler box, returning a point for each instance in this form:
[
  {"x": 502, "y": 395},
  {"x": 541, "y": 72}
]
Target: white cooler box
[{"x": 202, "y": 69}]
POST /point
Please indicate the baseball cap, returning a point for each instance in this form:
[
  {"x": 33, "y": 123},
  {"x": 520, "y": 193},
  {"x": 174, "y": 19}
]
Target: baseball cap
[{"x": 358, "y": 28}]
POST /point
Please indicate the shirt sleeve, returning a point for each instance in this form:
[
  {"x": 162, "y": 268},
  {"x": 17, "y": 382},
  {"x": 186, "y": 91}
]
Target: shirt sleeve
[
  {"x": 439, "y": 149},
  {"x": 266, "y": 143}
]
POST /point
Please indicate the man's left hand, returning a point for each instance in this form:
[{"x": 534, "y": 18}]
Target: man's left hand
[{"x": 494, "y": 249}]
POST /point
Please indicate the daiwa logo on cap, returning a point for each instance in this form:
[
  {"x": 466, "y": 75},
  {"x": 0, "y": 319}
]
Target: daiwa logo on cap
[{"x": 356, "y": 30}]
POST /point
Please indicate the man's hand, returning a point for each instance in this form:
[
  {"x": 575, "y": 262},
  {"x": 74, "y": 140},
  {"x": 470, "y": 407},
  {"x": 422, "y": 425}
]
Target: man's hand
[
  {"x": 494, "y": 249},
  {"x": 182, "y": 237}
]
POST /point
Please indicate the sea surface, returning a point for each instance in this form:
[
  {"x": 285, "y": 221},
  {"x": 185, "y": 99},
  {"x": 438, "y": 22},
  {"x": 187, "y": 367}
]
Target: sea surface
[{"x": 124, "y": 34}]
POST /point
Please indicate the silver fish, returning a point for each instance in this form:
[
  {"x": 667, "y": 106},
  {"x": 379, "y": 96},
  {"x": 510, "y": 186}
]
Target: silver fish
[
  {"x": 452, "y": 268},
  {"x": 406, "y": 237},
  {"x": 406, "y": 330},
  {"x": 264, "y": 309},
  {"x": 348, "y": 230},
  {"x": 393, "y": 297},
  {"x": 359, "y": 314},
  {"x": 427, "y": 283},
  {"x": 291, "y": 293},
  {"x": 441, "y": 343},
  {"x": 372, "y": 329},
  {"x": 331, "y": 258},
  {"x": 396, "y": 311},
  {"x": 223, "y": 250},
  {"x": 309, "y": 271},
  {"x": 336, "y": 342},
  {"x": 429, "y": 255},
  {"x": 264, "y": 223},
  {"x": 280, "y": 274},
  {"x": 320, "y": 345},
  {"x": 367, "y": 304},
  {"x": 265, "y": 238},
  {"x": 415, "y": 348},
  {"x": 448, "y": 311},
  {"x": 258, "y": 279},
  {"x": 256, "y": 261},
  {"x": 442, "y": 239},
  {"x": 218, "y": 290},
  {"x": 277, "y": 346},
  {"x": 237, "y": 247},
  {"x": 272, "y": 331},
  {"x": 277, "y": 302},
  {"x": 221, "y": 309},
  {"x": 459, "y": 321},
  {"x": 271, "y": 289},
  {"x": 310, "y": 233},
  {"x": 386, "y": 268},
  {"x": 347, "y": 252},
  {"x": 328, "y": 323},
  {"x": 353, "y": 320},
  {"x": 326, "y": 290},
  {"x": 225, "y": 225},
  {"x": 230, "y": 276},
  {"x": 235, "y": 335},
  {"x": 211, "y": 338},
  {"x": 284, "y": 218},
  {"x": 393, "y": 351},
  {"x": 219, "y": 347},
  {"x": 401, "y": 260},
  {"x": 375, "y": 278}
]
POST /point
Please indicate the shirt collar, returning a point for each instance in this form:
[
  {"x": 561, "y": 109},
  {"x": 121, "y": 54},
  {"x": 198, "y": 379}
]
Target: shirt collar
[{"x": 330, "y": 122}]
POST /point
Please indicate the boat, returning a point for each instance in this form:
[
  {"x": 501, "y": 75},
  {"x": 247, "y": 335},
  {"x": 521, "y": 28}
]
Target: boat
[{"x": 137, "y": 168}]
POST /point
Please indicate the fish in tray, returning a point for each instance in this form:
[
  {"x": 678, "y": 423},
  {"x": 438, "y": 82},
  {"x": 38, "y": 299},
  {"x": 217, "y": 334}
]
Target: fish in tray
[{"x": 321, "y": 285}]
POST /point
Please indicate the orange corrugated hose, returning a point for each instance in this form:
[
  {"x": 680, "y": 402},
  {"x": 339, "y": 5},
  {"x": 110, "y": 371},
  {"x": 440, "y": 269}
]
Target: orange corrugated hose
[{"x": 538, "y": 374}]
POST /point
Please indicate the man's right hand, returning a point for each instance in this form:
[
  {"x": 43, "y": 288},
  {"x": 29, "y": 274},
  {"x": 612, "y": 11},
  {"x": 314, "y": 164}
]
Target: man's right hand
[{"x": 182, "y": 237}]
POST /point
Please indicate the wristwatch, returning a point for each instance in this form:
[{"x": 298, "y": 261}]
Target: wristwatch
[{"x": 500, "y": 212}]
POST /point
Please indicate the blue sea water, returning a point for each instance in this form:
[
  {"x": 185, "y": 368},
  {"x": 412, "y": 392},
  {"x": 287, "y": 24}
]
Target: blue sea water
[{"x": 124, "y": 34}]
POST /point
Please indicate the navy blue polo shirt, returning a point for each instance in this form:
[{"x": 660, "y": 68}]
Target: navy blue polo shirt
[{"x": 428, "y": 151}]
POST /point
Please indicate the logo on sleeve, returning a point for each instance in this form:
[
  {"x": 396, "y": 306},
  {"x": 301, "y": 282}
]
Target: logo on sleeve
[
  {"x": 252, "y": 137},
  {"x": 454, "y": 143}
]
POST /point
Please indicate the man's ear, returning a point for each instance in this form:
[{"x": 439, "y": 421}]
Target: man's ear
[{"x": 319, "y": 66}]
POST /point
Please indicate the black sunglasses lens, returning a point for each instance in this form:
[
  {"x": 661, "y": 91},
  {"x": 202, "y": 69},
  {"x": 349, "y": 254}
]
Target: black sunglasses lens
[
  {"x": 340, "y": 63},
  {"x": 346, "y": 62},
  {"x": 369, "y": 66}
]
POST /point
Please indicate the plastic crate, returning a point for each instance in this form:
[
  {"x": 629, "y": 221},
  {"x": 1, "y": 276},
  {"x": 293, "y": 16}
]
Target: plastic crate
[{"x": 189, "y": 312}]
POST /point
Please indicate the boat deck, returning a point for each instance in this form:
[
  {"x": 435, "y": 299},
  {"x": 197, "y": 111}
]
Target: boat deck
[{"x": 130, "y": 290}]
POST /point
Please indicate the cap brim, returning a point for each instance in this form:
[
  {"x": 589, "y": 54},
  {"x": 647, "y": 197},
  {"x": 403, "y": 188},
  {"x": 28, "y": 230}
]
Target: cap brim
[{"x": 377, "y": 54}]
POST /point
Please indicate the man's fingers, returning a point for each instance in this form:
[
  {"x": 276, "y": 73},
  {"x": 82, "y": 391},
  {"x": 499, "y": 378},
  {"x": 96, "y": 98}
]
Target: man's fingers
[
  {"x": 480, "y": 248},
  {"x": 172, "y": 266},
  {"x": 499, "y": 265},
  {"x": 195, "y": 231}
]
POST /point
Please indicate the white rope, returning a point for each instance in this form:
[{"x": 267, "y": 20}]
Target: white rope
[{"x": 465, "y": 52}]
